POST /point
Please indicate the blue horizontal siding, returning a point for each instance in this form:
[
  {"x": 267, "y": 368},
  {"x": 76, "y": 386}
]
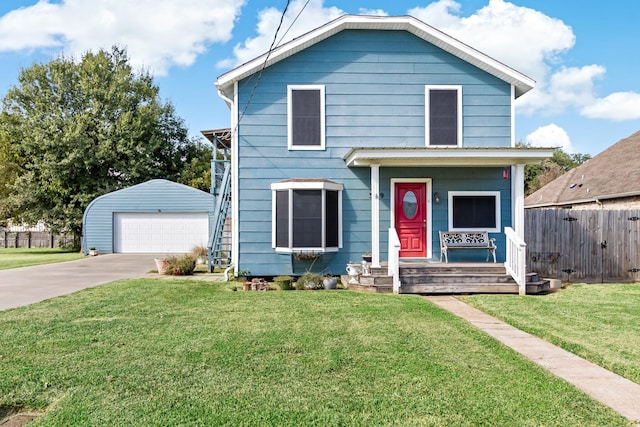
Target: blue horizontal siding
[
  {"x": 151, "y": 196},
  {"x": 375, "y": 96}
]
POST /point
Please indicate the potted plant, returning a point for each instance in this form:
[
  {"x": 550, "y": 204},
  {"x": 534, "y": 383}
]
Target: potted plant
[
  {"x": 200, "y": 253},
  {"x": 366, "y": 256},
  {"x": 93, "y": 251},
  {"x": 161, "y": 265},
  {"x": 330, "y": 282},
  {"x": 309, "y": 281}
]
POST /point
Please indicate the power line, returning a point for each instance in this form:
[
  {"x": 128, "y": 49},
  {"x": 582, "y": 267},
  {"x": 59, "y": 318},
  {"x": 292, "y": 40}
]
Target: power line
[
  {"x": 264, "y": 64},
  {"x": 293, "y": 22}
]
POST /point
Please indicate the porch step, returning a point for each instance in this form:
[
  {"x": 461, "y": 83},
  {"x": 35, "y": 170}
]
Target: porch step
[
  {"x": 375, "y": 288},
  {"x": 459, "y": 278},
  {"x": 460, "y": 288},
  {"x": 538, "y": 287},
  {"x": 453, "y": 268}
]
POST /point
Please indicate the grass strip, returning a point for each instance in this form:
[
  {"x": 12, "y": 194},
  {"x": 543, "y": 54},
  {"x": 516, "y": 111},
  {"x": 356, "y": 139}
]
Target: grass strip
[
  {"x": 151, "y": 352},
  {"x": 600, "y": 322},
  {"x": 23, "y": 257}
]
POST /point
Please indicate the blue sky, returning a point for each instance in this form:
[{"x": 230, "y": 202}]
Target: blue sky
[{"x": 583, "y": 55}]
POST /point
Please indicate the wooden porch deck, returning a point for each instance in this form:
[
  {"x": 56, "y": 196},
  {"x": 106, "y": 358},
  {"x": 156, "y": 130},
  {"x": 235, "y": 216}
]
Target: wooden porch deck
[{"x": 420, "y": 277}]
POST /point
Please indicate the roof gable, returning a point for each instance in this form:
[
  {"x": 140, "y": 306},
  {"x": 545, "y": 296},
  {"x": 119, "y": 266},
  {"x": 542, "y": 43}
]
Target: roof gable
[
  {"x": 410, "y": 24},
  {"x": 157, "y": 187},
  {"x": 614, "y": 173}
]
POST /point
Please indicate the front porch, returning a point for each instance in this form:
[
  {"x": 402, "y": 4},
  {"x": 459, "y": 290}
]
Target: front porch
[{"x": 420, "y": 277}]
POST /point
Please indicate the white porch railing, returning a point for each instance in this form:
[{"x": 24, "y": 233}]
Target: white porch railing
[
  {"x": 516, "y": 259},
  {"x": 394, "y": 259}
]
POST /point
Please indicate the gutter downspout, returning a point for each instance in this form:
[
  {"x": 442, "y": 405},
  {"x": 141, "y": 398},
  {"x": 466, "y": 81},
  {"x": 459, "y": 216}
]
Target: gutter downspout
[{"x": 234, "y": 168}]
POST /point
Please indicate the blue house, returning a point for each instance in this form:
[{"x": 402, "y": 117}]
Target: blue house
[{"x": 369, "y": 134}]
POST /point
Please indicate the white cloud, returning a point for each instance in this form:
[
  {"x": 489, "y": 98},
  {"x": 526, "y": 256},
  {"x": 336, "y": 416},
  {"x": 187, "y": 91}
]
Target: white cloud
[
  {"x": 313, "y": 15},
  {"x": 520, "y": 37},
  {"x": 157, "y": 33},
  {"x": 618, "y": 106},
  {"x": 533, "y": 43},
  {"x": 550, "y": 136},
  {"x": 569, "y": 87},
  {"x": 372, "y": 12}
]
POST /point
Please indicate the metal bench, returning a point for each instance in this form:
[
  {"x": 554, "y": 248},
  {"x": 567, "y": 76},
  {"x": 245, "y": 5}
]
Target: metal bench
[{"x": 453, "y": 240}]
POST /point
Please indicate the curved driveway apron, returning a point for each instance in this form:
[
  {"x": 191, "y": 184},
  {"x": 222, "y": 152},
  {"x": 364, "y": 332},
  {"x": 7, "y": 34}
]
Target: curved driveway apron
[{"x": 27, "y": 285}]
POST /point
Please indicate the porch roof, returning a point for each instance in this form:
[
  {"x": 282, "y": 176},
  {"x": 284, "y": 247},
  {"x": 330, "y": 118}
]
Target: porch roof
[{"x": 415, "y": 157}]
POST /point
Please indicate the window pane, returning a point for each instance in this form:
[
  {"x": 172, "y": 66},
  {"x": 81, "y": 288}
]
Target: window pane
[
  {"x": 331, "y": 219},
  {"x": 474, "y": 212},
  {"x": 306, "y": 113},
  {"x": 410, "y": 204},
  {"x": 282, "y": 219},
  {"x": 443, "y": 117},
  {"x": 307, "y": 218}
]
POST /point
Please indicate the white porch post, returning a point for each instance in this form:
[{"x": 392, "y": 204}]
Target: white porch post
[
  {"x": 518, "y": 199},
  {"x": 375, "y": 215}
]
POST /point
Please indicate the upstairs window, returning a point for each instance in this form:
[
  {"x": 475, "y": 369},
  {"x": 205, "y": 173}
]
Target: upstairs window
[
  {"x": 443, "y": 116},
  {"x": 474, "y": 211},
  {"x": 306, "y": 118},
  {"x": 307, "y": 215}
]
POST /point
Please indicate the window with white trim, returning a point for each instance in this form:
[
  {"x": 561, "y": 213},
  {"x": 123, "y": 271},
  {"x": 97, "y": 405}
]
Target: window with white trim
[
  {"x": 443, "y": 116},
  {"x": 306, "y": 117},
  {"x": 306, "y": 215},
  {"x": 474, "y": 211}
]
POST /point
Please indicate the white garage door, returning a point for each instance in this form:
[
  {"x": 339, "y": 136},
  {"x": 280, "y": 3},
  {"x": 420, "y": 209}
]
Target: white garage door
[{"x": 147, "y": 232}]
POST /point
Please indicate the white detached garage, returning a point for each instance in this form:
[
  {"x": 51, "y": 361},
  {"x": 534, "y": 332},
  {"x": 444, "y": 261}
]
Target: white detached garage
[{"x": 157, "y": 216}]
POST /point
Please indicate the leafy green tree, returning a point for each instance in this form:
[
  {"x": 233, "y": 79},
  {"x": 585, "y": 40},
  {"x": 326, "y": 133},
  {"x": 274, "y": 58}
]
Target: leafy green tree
[
  {"x": 537, "y": 176},
  {"x": 10, "y": 167},
  {"x": 197, "y": 169},
  {"x": 80, "y": 129}
]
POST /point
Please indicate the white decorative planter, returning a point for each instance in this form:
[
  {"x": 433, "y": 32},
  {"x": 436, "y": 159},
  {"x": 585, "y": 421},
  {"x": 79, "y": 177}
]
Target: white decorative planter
[
  {"x": 353, "y": 271},
  {"x": 330, "y": 283}
]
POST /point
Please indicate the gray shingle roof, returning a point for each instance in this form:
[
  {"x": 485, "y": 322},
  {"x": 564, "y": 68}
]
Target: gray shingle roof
[{"x": 614, "y": 173}]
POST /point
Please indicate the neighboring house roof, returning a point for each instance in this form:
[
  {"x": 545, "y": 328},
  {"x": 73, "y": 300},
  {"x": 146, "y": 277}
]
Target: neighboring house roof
[
  {"x": 612, "y": 174},
  {"x": 426, "y": 32}
]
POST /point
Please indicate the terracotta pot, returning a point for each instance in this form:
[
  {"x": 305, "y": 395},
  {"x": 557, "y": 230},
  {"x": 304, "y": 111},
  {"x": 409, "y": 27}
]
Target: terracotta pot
[
  {"x": 161, "y": 266},
  {"x": 246, "y": 286}
]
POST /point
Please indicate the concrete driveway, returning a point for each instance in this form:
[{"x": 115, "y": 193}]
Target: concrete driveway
[{"x": 27, "y": 285}]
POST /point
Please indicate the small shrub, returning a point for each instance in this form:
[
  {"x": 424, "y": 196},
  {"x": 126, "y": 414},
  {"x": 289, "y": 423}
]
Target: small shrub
[
  {"x": 242, "y": 275},
  {"x": 285, "y": 283},
  {"x": 309, "y": 281},
  {"x": 182, "y": 265},
  {"x": 199, "y": 251}
]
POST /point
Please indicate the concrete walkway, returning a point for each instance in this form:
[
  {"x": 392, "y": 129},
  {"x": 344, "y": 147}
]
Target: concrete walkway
[
  {"x": 27, "y": 285},
  {"x": 613, "y": 390}
]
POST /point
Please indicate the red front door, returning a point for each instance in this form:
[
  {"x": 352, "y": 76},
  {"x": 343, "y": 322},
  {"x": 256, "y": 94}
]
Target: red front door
[{"x": 411, "y": 218}]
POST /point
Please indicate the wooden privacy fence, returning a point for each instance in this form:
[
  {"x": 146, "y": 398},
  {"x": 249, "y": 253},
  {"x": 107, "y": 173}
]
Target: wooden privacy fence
[
  {"x": 34, "y": 239},
  {"x": 583, "y": 245}
]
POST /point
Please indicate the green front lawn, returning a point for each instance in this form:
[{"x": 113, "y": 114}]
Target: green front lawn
[
  {"x": 159, "y": 352},
  {"x": 23, "y": 257},
  {"x": 600, "y": 323}
]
